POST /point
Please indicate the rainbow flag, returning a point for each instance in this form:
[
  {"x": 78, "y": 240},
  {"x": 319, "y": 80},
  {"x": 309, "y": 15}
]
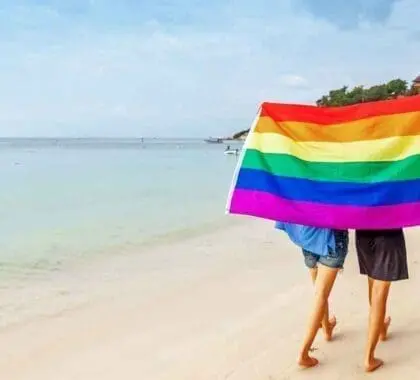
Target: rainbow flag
[{"x": 345, "y": 167}]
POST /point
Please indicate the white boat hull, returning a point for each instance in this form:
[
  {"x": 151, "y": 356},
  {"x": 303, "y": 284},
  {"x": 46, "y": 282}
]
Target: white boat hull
[{"x": 232, "y": 152}]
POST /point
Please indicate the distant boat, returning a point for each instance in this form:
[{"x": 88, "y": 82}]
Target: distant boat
[
  {"x": 230, "y": 151},
  {"x": 233, "y": 152},
  {"x": 213, "y": 140}
]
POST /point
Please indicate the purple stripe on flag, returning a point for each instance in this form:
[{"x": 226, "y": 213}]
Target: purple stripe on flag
[{"x": 268, "y": 206}]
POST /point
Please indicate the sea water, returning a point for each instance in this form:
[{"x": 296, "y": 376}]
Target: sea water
[{"x": 72, "y": 199}]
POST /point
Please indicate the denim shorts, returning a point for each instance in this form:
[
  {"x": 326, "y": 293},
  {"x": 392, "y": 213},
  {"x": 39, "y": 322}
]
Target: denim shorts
[{"x": 335, "y": 258}]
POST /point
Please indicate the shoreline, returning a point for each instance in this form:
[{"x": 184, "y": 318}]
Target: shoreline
[
  {"x": 26, "y": 282},
  {"x": 146, "y": 243},
  {"x": 230, "y": 304}
]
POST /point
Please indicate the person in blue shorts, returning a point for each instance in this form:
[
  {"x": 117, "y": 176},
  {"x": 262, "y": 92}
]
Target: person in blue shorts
[{"x": 324, "y": 251}]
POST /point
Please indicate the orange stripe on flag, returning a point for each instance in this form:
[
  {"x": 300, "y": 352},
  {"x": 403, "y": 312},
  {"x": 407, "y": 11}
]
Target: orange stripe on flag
[{"x": 379, "y": 127}]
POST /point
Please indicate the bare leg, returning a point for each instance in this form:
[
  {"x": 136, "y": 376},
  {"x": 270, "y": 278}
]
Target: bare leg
[
  {"x": 370, "y": 284},
  {"x": 384, "y": 333},
  {"x": 327, "y": 324},
  {"x": 380, "y": 291},
  {"x": 313, "y": 272},
  {"x": 387, "y": 321},
  {"x": 323, "y": 285}
]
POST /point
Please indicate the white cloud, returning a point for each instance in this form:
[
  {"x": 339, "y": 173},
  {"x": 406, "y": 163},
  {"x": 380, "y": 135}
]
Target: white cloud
[{"x": 294, "y": 81}]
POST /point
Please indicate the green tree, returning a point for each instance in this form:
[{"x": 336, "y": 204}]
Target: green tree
[
  {"x": 338, "y": 97},
  {"x": 356, "y": 95},
  {"x": 376, "y": 93},
  {"x": 359, "y": 94},
  {"x": 397, "y": 87}
]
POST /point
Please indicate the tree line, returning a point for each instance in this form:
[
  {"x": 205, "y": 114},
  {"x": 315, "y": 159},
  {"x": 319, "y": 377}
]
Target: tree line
[{"x": 360, "y": 94}]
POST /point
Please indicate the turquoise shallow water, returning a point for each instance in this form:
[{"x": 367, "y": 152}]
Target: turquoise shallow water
[{"x": 67, "y": 199}]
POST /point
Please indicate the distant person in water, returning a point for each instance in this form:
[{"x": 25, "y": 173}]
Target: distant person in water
[
  {"x": 324, "y": 251},
  {"x": 382, "y": 257}
]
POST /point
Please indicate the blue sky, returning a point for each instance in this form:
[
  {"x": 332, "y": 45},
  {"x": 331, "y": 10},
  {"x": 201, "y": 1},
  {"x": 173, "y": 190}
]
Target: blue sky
[{"x": 188, "y": 67}]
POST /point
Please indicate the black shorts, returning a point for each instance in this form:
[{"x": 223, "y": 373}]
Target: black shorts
[{"x": 382, "y": 254}]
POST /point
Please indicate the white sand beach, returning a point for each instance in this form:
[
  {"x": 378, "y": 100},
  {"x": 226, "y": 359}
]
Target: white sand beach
[{"x": 230, "y": 304}]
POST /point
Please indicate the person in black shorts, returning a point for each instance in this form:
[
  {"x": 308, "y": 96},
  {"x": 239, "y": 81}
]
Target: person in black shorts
[{"x": 382, "y": 257}]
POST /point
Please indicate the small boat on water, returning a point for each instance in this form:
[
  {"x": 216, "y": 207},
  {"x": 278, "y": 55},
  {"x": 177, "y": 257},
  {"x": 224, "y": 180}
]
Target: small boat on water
[
  {"x": 234, "y": 152},
  {"x": 230, "y": 151},
  {"x": 213, "y": 140}
]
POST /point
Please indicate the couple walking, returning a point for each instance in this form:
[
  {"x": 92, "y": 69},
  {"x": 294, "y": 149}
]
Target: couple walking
[{"x": 382, "y": 258}]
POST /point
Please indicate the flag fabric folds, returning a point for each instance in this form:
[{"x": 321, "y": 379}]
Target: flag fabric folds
[{"x": 340, "y": 167}]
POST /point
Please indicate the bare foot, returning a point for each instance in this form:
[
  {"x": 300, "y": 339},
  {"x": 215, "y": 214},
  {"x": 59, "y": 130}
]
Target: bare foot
[
  {"x": 384, "y": 333},
  {"x": 306, "y": 361},
  {"x": 373, "y": 364},
  {"x": 329, "y": 328}
]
